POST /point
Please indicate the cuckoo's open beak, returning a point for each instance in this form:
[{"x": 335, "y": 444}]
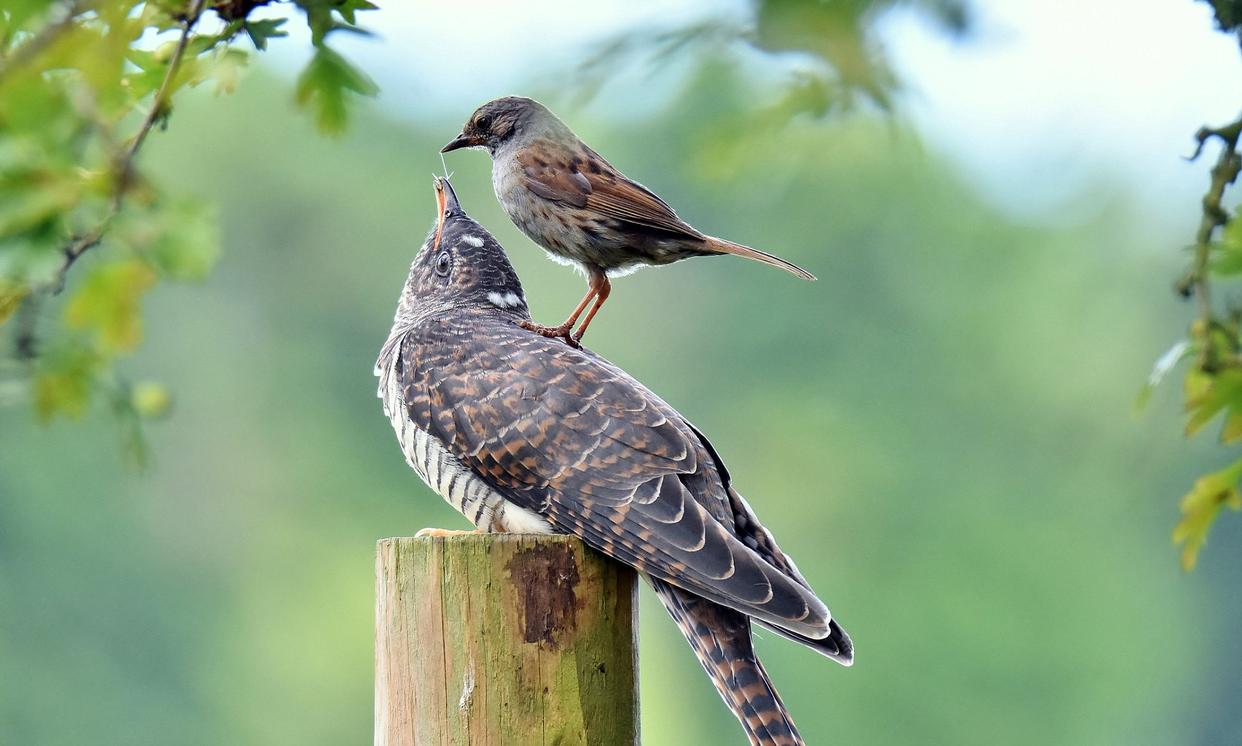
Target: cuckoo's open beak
[
  {"x": 446, "y": 205},
  {"x": 462, "y": 141}
]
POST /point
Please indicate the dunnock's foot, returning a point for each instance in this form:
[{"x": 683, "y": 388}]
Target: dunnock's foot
[{"x": 564, "y": 331}]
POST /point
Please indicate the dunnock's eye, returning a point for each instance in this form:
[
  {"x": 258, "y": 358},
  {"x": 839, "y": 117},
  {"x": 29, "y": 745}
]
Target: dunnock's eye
[
  {"x": 443, "y": 264},
  {"x": 483, "y": 122}
]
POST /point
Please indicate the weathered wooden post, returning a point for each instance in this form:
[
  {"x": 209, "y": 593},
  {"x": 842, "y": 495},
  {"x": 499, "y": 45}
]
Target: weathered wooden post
[{"x": 491, "y": 639}]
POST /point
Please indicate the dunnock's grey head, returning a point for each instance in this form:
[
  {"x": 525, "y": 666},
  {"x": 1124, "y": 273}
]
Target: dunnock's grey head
[{"x": 507, "y": 121}]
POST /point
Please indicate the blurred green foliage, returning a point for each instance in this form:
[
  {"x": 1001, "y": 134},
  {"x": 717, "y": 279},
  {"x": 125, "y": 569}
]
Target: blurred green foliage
[
  {"x": 932, "y": 430},
  {"x": 839, "y": 62},
  {"x": 82, "y": 83},
  {"x": 839, "y": 34}
]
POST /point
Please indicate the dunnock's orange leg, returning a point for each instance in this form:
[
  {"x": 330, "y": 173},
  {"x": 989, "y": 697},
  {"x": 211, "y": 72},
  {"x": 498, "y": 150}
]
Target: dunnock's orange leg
[
  {"x": 598, "y": 283},
  {"x": 601, "y": 294},
  {"x": 562, "y": 331}
]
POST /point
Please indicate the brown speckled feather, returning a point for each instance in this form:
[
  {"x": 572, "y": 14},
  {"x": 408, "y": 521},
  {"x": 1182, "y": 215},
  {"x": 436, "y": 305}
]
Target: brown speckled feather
[
  {"x": 567, "y": 435},
  {"x": 580, "y": 177}
]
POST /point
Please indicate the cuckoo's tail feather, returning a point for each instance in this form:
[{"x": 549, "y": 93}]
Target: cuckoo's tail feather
[
  {"x": 721, "y": 246},
  {"x": 721, "y": 640},
  {"x": 837, "y": 645}
]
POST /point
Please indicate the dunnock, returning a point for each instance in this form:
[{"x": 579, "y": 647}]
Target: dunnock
[{"x": 579, "y": 208}]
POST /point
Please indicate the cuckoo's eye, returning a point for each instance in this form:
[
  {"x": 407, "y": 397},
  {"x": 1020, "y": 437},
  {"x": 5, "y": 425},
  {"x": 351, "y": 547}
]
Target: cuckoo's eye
[{"x": 443, "y": 264}]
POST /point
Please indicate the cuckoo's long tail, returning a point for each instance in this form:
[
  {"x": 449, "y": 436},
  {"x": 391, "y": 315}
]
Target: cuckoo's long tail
[{"x": 721, "y": 640}]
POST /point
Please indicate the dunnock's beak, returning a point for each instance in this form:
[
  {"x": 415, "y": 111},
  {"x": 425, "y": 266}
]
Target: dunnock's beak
[{"x": 461, "y": 141}]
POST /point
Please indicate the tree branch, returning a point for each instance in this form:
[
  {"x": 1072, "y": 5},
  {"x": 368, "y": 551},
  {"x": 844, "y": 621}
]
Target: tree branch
[
  {"x": 1224, "y": 173},
  {"x": 125, "y": 160},
  {"x": 25, "y": 343}
]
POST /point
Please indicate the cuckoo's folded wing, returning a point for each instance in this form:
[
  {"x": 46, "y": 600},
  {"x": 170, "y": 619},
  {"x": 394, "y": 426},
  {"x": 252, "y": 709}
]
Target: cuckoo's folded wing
[{"x": 568, "y": 435}]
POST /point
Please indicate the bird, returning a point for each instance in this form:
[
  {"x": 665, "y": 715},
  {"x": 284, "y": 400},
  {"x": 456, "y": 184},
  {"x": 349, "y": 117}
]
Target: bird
[
  {"x": 579, "y": 208},
  {"x": 521, "y": 433}
]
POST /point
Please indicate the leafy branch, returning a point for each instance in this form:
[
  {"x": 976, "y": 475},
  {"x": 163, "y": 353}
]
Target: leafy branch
[
  {"x": 83, "y": 83},
  {"x": 125, "y": 161},
  {"x": 1213, "y": 383}
]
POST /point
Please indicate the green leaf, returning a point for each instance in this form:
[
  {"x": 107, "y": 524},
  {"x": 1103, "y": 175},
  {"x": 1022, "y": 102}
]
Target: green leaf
[
  {"x": 1201, "y": 506},
  {"x": 320, "y": 20},
  {"x": 1223, "y": 391},
  {"x": 347, "y": 8},
  {"x": 44, "y": 113},
  {"x": 200, "y": 43},
  {"x": 146, "y": 80},
  {"x": 1196, "y": 384},
  {"x": 22, "y": 11},
  {"x": 108, "y": 305},
  {"x": 325, "y": 86},
  {"x": 836, "y": 32},
  {"x": 190, "y": 246},
  {"x": 1232, "y": 431},
  {"x": 98, "y": 52},
  {"x": 261, "y": 31},
  {"x": 64, "y": 381},
  {"x": 11, "y": 295},
  {"x": 225, "y": 67},
  {"x": 1227, "y": 253},
  {"x": 33, "y": 199},
  {"x": 181, "y": 240}
]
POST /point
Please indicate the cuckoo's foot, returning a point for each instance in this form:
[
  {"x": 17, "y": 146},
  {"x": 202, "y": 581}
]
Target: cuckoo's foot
[
  {"x": 441, "y": 533},
  {"x": 564, "y": 331}
]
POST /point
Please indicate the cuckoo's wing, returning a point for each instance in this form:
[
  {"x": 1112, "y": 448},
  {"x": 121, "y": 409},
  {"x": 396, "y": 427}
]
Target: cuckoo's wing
[
  {"x": 566, "y": 434},
  {"x": 580, "y": 177}
]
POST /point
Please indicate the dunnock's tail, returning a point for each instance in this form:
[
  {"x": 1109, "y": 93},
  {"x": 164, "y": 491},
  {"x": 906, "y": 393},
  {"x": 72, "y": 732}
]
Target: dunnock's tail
[{"x": 721, "y": 246}]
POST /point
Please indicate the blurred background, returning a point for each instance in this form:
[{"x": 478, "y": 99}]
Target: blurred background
[{"x": 940, "y": 431}]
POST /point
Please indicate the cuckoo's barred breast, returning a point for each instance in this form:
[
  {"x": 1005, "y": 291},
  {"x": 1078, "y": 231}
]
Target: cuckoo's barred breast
[{"x": 443, "y": 472}]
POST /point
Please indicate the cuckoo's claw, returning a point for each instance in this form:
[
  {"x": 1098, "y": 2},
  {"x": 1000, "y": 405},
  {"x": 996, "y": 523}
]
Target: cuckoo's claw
[{"x": 442, "y": 533}]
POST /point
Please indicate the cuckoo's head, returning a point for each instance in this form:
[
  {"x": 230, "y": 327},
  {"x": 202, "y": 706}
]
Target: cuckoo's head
[{"x": 461, "y": 267}]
